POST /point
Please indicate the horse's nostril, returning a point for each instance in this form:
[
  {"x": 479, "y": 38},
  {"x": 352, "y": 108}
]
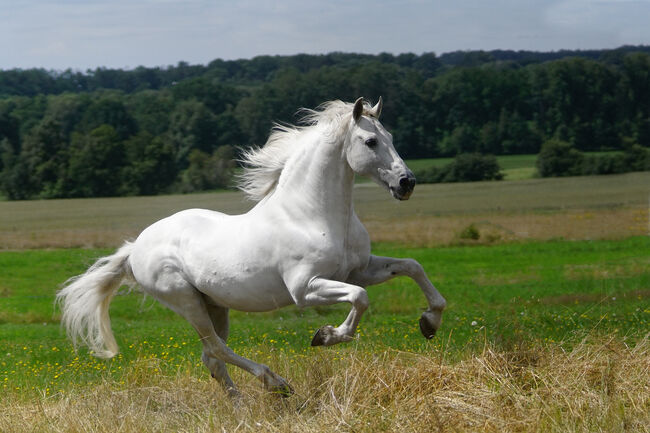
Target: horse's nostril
[{"x": 407, "y": 183}]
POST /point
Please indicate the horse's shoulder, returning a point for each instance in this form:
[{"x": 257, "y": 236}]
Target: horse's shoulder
[{"x": 357, "y": 233}]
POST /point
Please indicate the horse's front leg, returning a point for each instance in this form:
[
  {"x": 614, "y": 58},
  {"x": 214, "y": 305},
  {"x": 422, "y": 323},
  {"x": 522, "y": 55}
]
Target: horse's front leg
[
  {"x": 381, "y": 269},
  {"x": 321, "y": 291}
]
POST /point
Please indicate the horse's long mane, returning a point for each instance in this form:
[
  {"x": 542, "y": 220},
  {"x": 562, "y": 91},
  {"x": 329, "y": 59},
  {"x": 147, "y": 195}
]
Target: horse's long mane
[{"x": 263, "y": 165}]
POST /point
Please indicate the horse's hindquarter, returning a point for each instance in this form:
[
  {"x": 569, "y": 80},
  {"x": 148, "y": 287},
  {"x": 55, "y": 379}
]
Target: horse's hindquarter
[{"x": 220, "y": 255}]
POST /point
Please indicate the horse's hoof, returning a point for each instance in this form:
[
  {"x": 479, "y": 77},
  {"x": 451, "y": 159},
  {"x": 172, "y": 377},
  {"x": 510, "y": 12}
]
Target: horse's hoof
[
  {"x": 285, "y": 390},
  {"x": 319, "y": 338},
  {"x": 426, "y": 328},
  {"x": 322, "y": 336},
  {"x": 276, "y": 384}
]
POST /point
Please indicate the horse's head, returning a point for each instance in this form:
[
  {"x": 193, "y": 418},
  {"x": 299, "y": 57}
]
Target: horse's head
[{"x": 370, "y": 152}]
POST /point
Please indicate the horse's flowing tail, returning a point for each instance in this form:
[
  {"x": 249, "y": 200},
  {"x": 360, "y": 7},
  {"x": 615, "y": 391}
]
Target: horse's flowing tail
[{"x": 84, "y": 301}]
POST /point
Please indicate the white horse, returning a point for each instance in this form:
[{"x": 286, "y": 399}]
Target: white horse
[{"x": 302, "y": 244}]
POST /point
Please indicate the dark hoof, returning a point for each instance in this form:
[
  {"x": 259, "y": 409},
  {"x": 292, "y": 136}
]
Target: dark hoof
[
  {"x": 319, "y": 338},
  {"x": 426, "y": 329},
  {"x": 283, "y": 391},
  {"x": 324, "y": 336}
]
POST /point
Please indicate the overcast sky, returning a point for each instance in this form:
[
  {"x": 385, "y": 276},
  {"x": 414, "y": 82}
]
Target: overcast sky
[{"x": 83, "y": 34}]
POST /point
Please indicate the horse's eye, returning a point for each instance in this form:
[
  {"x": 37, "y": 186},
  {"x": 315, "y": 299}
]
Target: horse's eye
[{"x": 371, "y": 142}]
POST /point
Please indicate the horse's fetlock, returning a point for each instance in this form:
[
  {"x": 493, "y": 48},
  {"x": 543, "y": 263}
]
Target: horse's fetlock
[{"x": 263, "y": 372}]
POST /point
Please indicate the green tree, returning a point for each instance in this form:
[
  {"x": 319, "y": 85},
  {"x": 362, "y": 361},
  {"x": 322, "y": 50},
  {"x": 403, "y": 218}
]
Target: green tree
[
  {"x": 109, "y": 110},
  {"x": 150, "y": 165},
  {"x": 207, "y": 171},
  {"x": 45, "y": 155},
  {"x": 15, "y": 176},
  {"x": 9, "y": 131},
  {"x": 68, "y": 110},
  {"x": 96, "y": 161},
  {"x": 192, "y": 127},
  {"x": 151, "y": 110},
  {"x": 462, "y": 139},
  {"x": 558, "y": 158}
]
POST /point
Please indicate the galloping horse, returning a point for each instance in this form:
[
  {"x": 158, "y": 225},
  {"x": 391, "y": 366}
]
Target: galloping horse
[{"x": 302, "y": 244}]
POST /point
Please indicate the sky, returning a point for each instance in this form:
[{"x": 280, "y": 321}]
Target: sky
[{"x": 85, "y": 34}]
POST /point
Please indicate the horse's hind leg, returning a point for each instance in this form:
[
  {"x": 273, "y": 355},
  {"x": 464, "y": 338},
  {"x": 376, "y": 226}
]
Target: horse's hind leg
[
  {"x": 219, "y": 317},
  {"x": 172, "y": 290},
  {"x": 216, "y": 354}
]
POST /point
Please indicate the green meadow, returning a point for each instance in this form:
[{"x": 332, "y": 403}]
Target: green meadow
[
  {"x": 546, "y": 328},
  {"x": 511, "y": 296},
  {"x": 514, "y": 167}
]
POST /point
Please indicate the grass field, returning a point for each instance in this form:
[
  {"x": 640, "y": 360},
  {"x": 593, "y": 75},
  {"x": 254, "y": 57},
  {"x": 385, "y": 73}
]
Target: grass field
[
  {"x": 547, "y": 325},
  {"x": 513, "y": 167},
  {"x": 508, "y": 300}
]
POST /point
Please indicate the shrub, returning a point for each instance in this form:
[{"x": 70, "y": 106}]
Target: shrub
[
  {"x": 636, "y": 158},
  {"x": 603, "y": 164},
  {"x": 558, "y": 158},
  {"x": 431, "y": 175},
  {"x": 470, "y": 232},
  {"x": 466, "y": 167},
  {"x": 471, "y": 167}
]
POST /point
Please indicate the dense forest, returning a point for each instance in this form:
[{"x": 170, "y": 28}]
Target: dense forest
[{"x": 108, "y": 132}]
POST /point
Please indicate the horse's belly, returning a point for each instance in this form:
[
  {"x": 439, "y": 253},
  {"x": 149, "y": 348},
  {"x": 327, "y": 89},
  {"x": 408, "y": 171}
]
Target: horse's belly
[{"x": 253, "y": 296}]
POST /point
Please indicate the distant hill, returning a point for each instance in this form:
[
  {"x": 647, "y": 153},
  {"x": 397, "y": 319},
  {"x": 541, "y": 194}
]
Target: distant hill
[
  {"x": 31, "y": 82},
  {"x": 475, "y": 58}
]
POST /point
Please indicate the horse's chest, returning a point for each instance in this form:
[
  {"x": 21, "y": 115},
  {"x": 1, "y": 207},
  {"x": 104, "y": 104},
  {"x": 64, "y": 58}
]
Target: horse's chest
[
  {"x": 352, "y": 252},
  {"x": 351, "y": 260}
]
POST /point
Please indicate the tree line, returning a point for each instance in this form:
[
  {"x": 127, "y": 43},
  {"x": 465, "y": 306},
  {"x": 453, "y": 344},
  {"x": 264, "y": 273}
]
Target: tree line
[{"x": 151, "y": 130}]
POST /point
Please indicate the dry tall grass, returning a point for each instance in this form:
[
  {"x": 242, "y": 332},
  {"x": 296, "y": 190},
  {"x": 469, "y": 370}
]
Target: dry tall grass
[
  {"x": 429, "y": 231},
  {"x": 589, "y": 207},
  {"x": 599, "y": 385}
]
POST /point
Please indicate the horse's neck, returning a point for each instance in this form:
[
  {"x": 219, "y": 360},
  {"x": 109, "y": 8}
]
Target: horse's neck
[{"x": 318, "y": 184}]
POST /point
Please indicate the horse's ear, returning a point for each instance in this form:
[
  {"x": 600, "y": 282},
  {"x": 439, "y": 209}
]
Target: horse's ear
[
  {"x": 357, "y": 111},
  {"x": 376, "y": 110}
]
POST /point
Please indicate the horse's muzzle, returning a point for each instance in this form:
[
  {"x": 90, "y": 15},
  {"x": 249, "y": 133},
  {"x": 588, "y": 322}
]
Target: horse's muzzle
[{"x": 405, "y": 187}]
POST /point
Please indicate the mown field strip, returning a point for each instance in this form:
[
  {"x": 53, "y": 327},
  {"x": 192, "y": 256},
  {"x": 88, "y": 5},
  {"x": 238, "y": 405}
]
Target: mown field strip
[{"x": 595, "y": 207}]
